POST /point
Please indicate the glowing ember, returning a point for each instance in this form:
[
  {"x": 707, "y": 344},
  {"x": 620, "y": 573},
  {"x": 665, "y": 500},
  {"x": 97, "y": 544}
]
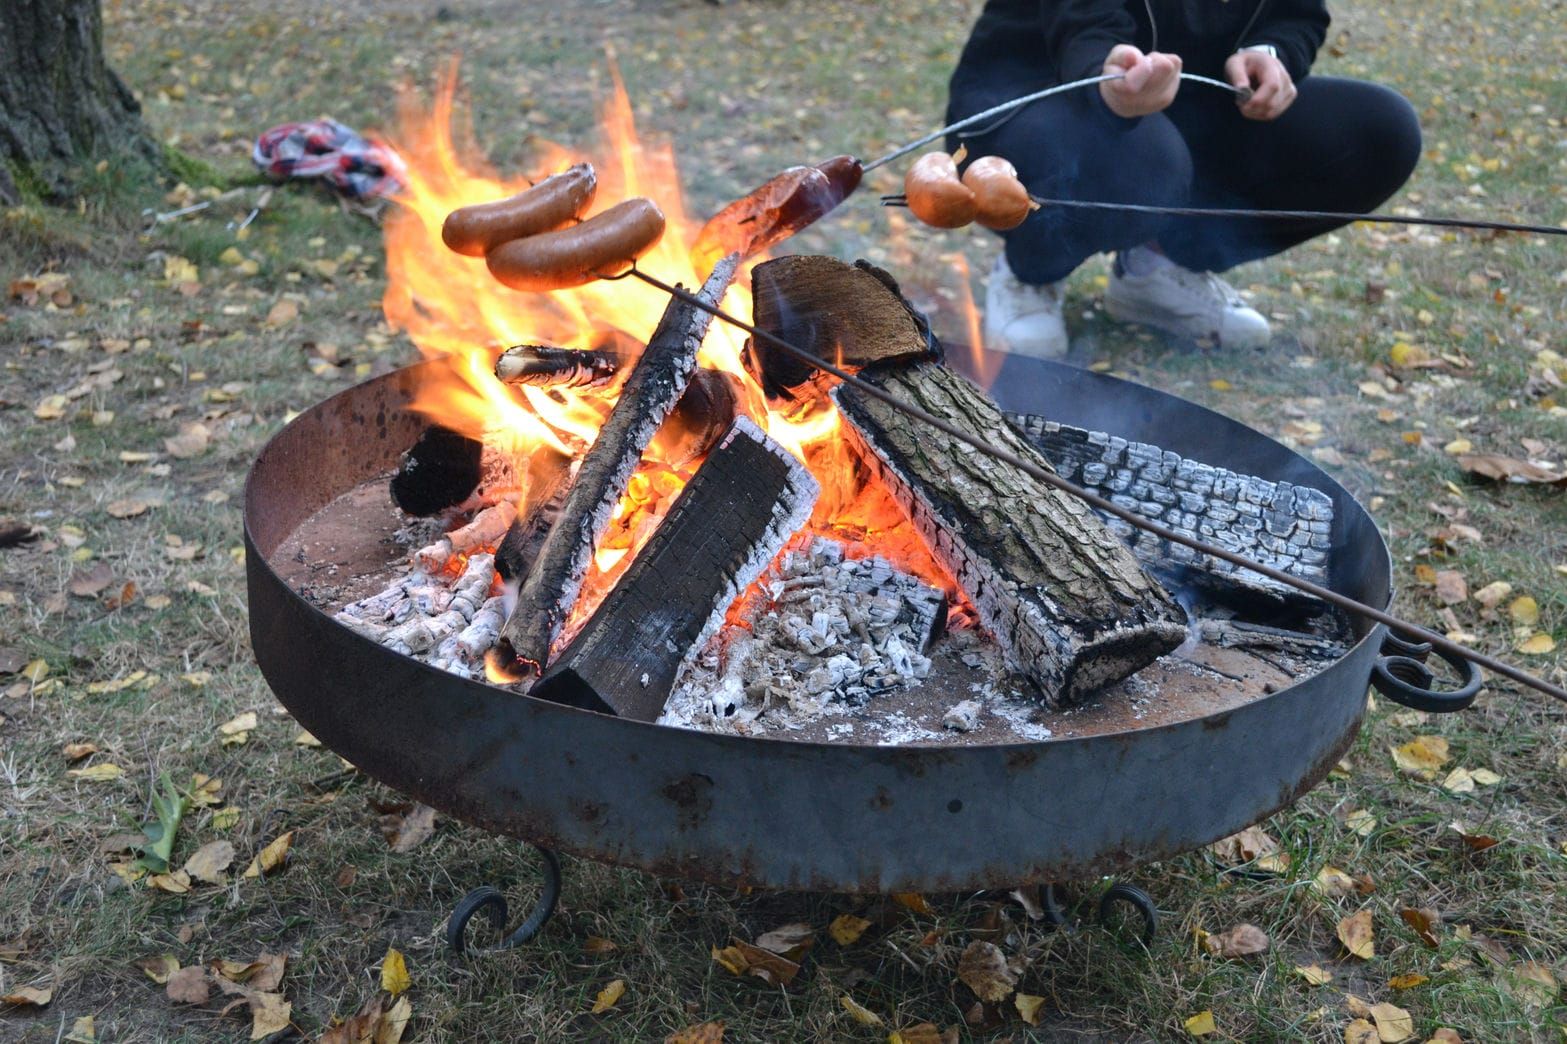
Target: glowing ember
[{"x": 461, "y": 318}]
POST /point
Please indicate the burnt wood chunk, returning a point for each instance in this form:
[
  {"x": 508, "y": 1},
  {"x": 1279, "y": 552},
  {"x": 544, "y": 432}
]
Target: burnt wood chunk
[
  {"x": 548, "y": 481},
  {"x": 1287, "y": 526},
  {"x": 702, "y": 416},
  {"x": 650, "y": 391},
  {"x": 440, "y": 470},
  {"x": 1071, "y": 608},
  {"x": 851, "y": 315},
  {"x": 548, "y": 367},
  {"x": 744, "y": 503}
]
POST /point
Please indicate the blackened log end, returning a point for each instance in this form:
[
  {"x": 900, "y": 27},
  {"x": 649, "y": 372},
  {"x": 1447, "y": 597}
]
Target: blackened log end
[{"x": 439, "y": 471}]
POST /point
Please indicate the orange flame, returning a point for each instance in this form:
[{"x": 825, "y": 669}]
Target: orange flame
[{"x": 461, "y": 318}]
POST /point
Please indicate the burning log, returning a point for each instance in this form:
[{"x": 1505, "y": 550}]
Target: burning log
[
  {"x": 1280, "y": 524},
  {"x": 549, "y": 480},
  {"x": 1070, "y": 606},
  {"x": 852, "y": 315},
  {"x": 440, "y": 470},
  {"x": 651, "y": 390},
  {"x": 702, "y": 416},
  {"x": 547, "y": 367},
  {"x": 486, "y": 530},
  {"x": 742, "y": 506}
]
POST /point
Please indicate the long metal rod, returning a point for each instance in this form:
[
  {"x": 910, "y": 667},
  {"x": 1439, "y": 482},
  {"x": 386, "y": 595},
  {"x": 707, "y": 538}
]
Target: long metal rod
[
  {"x": 1287, "y": 215},
  {"x": 1344, "y": 602}
]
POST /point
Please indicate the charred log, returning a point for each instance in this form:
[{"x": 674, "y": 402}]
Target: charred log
[
  {"x": 547, "y": 367},
  {"x": 549, "y": 479},
  {"x": 852, "y": 315},
  {"x": 703, "y": 415},
  {"x": 744, "y": 503},
  {"x": 650, "y": 391},
  {"x": 1070, "y": 606},
  {"x": 439, "y": 471}
]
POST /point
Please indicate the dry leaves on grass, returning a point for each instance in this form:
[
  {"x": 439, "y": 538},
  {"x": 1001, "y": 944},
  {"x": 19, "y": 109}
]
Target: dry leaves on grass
[
  {"x": 209, "y": 862},
  {"x": 1394, "y": 1024},
  {"x": 863, "y": 1015},
  {"x": 1355, "y": 932},
  {"x": 409, "y": 830},
  {"x": 1251, "y": 846},
  {"x": 1314, "y": 974},
  {"x": 1423, "y": 921},
  {"x": 923, "y": 1033},
  {"x": 1336, "y": 884},
  {"x": 380, "y": 1021},
  {"x": 793, "y": 941},
  {"x": 1421, "y": 756},
  {"x": 188, "y": 985},
  {"x": 743, "y": 958},
  {"x": 272, "y": 858},
  {"x": 159, "y": 967},
  {"x": 1243, "y": 940},
  {"x": 1200, "y": 1024},
  {"x": 1499, "y": 468},
  {"x": 984, "y": 969},
  {"x": 702, "y": 1033},
  {"x": 609, "y": 996},
  {"x": 27, "y": 997},
  {"x": 394, "y": 972},
  {"x": 1028, "y": 1007},
  {"x": 846, "y": 929}
]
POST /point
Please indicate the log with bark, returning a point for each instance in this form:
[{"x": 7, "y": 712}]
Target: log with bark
[
  {"x": 852, "y": 315},
  {"x": 650, "y": 391},
  {"x": 744, "y": 503},
  {"x": 548, "y": 479},
  {"x": 1071, "y": 608}
]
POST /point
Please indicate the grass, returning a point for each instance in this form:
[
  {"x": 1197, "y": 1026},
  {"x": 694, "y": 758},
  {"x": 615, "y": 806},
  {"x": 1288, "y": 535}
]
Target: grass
[{"x": 742, "y": 90}]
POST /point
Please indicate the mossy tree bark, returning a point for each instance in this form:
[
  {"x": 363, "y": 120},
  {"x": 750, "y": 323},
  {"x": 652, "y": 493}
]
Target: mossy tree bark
[{"x": 60, "y": 103}]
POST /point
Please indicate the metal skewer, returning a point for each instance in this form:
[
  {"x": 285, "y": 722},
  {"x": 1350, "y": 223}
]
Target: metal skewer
[{"x": 1406, "y": 630}]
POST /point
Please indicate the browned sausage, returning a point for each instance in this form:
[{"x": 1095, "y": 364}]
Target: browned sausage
[
  {"x": 1000, "y": 199},
  {"x": 935, "y": 194},
  {"x": 552, "y": 203},
  {"x": 603, "y": 245}
]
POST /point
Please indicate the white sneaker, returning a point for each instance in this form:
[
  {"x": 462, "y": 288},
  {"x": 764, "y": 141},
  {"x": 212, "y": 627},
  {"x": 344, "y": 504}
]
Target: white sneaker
[
  {"x": 1023, "y": 319},
  {"x": 1147, "y": 287}
]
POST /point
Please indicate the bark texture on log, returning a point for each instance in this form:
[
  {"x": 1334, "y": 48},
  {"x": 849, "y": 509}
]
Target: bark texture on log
[
  {"x": 1070, "y": 606},
  {"x": 651, "y": 390},
  {"x": 852, "y": 315},
  {"x": 742, "y": 506},
  {"x": 60, "y": 103}
]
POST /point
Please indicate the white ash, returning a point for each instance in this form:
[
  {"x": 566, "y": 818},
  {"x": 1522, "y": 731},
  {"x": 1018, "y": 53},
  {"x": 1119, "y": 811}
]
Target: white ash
[
  {"x": 962, "y": 717},
  {"x": 821, "y": 635},
  {"x": 449, "y": 624}
]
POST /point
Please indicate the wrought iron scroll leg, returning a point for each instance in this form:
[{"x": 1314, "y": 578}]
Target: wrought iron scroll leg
[
  {"x": 493, "y": 903},
  {"x": 1138, "y": 900}
]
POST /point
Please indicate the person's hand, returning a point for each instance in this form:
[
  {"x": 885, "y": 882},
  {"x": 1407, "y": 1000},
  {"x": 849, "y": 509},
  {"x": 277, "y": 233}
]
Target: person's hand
[
  {"x": 1149, "y": 83},
  {"x": 1272, "y": 89}
]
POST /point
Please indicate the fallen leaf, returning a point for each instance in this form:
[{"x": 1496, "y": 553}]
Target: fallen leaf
[
  {"x": 192, "y": 441},
  {"x": 269, "y": 1014},
  {"x": 702, "y": 1033},
  {"x": 1314, "y": 974},
  {"x": 305, "y": 739},
  {"x": 395, "y": 1023},
  {"x": 27, "y": 997},
  {"x": 285, "y": 311},
  {"x": 608, "y": 996},
  {"x": 741, "y": 958},
  {"x": 914, "y": 901},
  {"x": 1498, "y": 468},
  {"x": 271, "y": 858},
  {"x": 1200, "y": 1024},
  {"x": 51, "y": 407},
  {"x": 598, "y": 945},
  {"x": 83, "y": 1031},
  {"x": 394, "y": 973},
  {"x": 921, "y": 1033},
  {"x": 410, "y": 830},
  {"x": 129, "y": 507},
  {"x": 864, "y": 1016},
  {"x": 1361, "y": 822},
  {"x": 1028, "y": 1007},
  {"x": 1445, "y": 1036},
  {"x": 1536, "y": 983},
  {"x": 1459, "y": 781},
  {"x": 846, "y": 929},
  {"x": 1335, "y": 883},
  {"x": 189, "y": 986},
  {"x": 1421, "y": 756},
  {"x": 1476, "y": 842},
  {"x": 1536, "y": 645},
  {"x": 362, "y": 1027},
  {"x": 1243, "y": 940},
  {"x": 1408, "y": 981},
  {"x": 1423, "y": 921},
  {"x": 236, "y": 731},
  {"x": 78, "y": 751},
  {"x": 1356, "y": 934},
  {"x": 99, "y": 773},
  {"x": 1394, "y": 1024},
  {"x": 1491, "y": 595},
  {"x": 1525, "y": 611},
  {"x": 1360, "y": 1031},
  {"x": 1252, "y": 845},
  {"x": 792, "y": 940},
  {"x": 1451, "y": 587},
  {"x": 209, "y": 862},
  {"x": 158, "y": 968},
  {"x": 91, "y": 581},
  {"x": 176, "y": 883},
  {"x": 983, "y": 968}
]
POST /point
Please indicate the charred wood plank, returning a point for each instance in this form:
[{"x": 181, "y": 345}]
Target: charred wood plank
[
  {"x": 1287, "y": 526},
  {"x": 1070, "y": 606},
  {"x": 852, "y": 315},
  {"x": 650, "y": 391},
  {"x": 744, "y": 503}
]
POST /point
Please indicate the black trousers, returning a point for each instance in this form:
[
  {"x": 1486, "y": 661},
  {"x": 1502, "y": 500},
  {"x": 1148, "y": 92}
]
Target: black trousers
[{"x": 1343, "y": 145}]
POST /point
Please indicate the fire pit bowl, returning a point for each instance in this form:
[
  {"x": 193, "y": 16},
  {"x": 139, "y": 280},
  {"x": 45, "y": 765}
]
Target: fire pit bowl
[{"x": 775, "y": 813}]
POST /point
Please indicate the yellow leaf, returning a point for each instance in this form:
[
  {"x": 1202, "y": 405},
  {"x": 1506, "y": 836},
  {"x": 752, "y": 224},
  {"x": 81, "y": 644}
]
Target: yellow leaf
[
  {"x": 1458, "y": 446},
  {"x": 983, "y": 968},
  {"x": 1361, "y": 1031},
  {"x": 1355, "y": 932},
  {"x": 1200, "y": 1024},
  {"x": 269, "y": 1014},
  {"x": 1538, "y": 983},
  {"x": 1408, "y": 982},
  {"x": 1220, "y": 384},
  {"x": 209, "y": 862},
  {"x": 1333, "y": 883},
  {"x": 176, "y": 883},
  {"x": 83, "y": 1031},
  {"x": 913, "y": 901},
  {"x": 305, "y": 739},
  {"x": 703, "y": 1033},
  {"x": 596, "y": 945},
  {"x": 1394, "y": 1024},
  {"x": 864, "y": 1016},
  {"x": 177, "y": 270},
  {"x": 27, "y": 997},
  {"x": 919, "y": 1033},
  {"x": 1315, "y": 974},
  {"x": 394, "y": 973},
  {"x": 1421, "y": 756},
  {"x": 1485, "y": 777},
  {"x": 1459, "y": 781},
  {"x": 160, "y": 967},
  {"x": 51, "y": 407},
  {"x": 36, "y": 670},
  {"x": 1536, "y": 644},
  {"x": 232, "y": 256},
  {"x": 608, "y": 996},
  {"x": 99, "y": 773},
  {"x": 1361, "y": 822},
  {"x": 846, "y": 929},
  {"x": 1028, "y": 1007},
  {"x": 1524, "y": 610},
  {"x": 394, "y": 1022},
  {"x": 271, "y": 857}
]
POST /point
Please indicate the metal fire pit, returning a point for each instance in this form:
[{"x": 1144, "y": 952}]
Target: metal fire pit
[{"x": 774, "y": 813}]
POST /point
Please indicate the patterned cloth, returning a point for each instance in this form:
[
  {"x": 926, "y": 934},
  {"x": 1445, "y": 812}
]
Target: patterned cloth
[{"x": 352, "y": 164}]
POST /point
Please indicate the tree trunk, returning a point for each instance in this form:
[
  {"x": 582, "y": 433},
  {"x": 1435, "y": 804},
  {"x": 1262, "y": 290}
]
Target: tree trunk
[{"x": 60, "y": 103}]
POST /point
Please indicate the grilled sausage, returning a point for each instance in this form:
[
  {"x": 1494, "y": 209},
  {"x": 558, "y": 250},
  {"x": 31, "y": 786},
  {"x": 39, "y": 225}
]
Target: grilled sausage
[
  {"x": 1000, "y": 199},
  {"x": 603, "y": 245},
  {"x": 553, "y": 203},
  {"x": 935, "y": 194},
  {"x": 777, "y": 210}
]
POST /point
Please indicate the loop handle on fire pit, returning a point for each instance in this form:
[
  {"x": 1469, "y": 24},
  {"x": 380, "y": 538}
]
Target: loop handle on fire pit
[
  {"x": 493, "y": 903},
  {"x": 1401, "y": 676}
]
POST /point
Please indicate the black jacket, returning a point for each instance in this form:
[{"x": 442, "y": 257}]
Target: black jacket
[{"x": 1028, "y": 43}]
